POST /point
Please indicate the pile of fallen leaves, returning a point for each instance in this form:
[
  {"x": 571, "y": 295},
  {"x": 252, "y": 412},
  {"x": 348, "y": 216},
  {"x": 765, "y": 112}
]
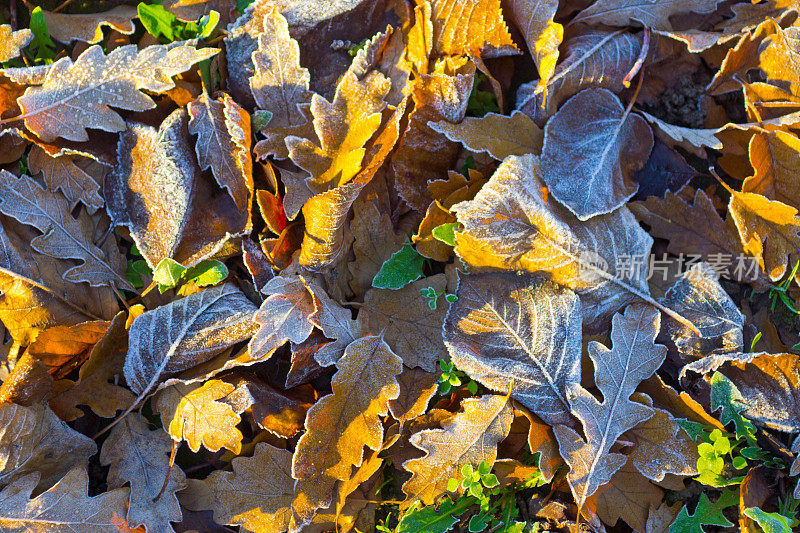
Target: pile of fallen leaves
[{"x": 400, "y": 266}]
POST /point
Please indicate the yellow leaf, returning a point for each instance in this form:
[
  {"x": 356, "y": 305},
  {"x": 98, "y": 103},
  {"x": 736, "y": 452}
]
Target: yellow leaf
[{"x": 470, "y": 27}]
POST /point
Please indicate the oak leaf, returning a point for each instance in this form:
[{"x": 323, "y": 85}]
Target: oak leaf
[
  {"x": 61, "y": 173},
  {"x": 62, "y": 349},
  {"x": 633, "y": 358},
  {"x": 510, "y": 225},
  {"x": 64, "y": 237},
  {"x": 257, "y": 494},
  {"x": 34, "y": 440},
  {"x": 499, "y": 135},
  {"x": 285, "y": 315},
  {"x": 65, "y": 506},
  {"x": 88, "y": 27},
  {"x": 592, "y": 148},
  {"x": 223, "y": 143},
  {"x": 13, "y": 41},
  {"x": 279, "y": 83},
  {"x": 629, "y": 496},
  {"x": 140, "y": 457},
  {"x": 196, "y": 414},
  {"x": 409, "y": 325},
  {"x": 469, "y": 437},
  {"x": 76, "y": 95},
  {"x": 185, "y": 333},
  {"x": 519, "y": 334},
  {"x": 769, "y": 230}
]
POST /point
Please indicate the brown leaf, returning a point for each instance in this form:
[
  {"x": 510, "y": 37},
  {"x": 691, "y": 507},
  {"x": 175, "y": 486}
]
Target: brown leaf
[
  {"x": 194, "y": 413},
  {"x": 140, "y": 457},
  {"x": 88, "y": 28},
  {"x": 375, "y": 242},
  {"x": 698, "y": 296},
  {"x": 498, "y": 135},
  {"x": 471, "y": 27},
  {"x": 64, "y": 348},
  {"x": 510, "y": 225},
  {"x": 76, "y": 96},
  {"x": 65, "y": 506},
  {"x": 185, "y": 333},
  {"x": 426, "y": 243},
  {"x": 543, "y": 36},
  {"x": 628, "y": 496},
  {"x": 13, "y": 41},
  {"x": 64, "y": 237},
  {"x": 34, "y": 440},
  {"x": 592, "y": 148},
  {"x": 769, "y": 231},
  {"x": 468, "y": 437},
  {"x": 257, "y": 494},
  {"x": 61, "y": 173},
  {"x": 340, "y": 424},
  {"x": 740, "y": 59},
  {"x": 272, "y": 410},
  {"x": 279, "y": 83},
  {"x": 769, "y": 384},
  {"x": 96, "y": 385},
  {"x": 284, "y": 316},
  {"x": 156, "y": 190},
  {"x": 336, "y": 322},
  {"x": 417, "y": 387},
  {"x": 409, "y": 325},
  {"x": 775, "y": 156},
  {"x": 223, "y": 143},
  {"x": 779, "y": 57},
  {"x": 633, "y": 358},
  {"x": 518, "y": 334},
  {"x": 652, "y": 13}
]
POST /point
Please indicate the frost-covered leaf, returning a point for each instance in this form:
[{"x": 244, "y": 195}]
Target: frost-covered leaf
[
  {"x": 279, "y": 83},
  {"x": 61, "y": 173},
  {"x": 468, "y": 437},
  {"x": 185, "y": 333},
  {"x": 780, "y": 57},
  {"x": 499, "y": 135},
  {"x": 88, "y": 27},
  {"x": 34, "y": 440},
  {"x": 633, "y": 358},
  {"x": 470, "y": 27},
  {"x": 403, "y": 267},
  {"x": 223, "y": 143},
  {"x": 652, "y": 13},
  {"x": 592, "y": 148},
  {"x": 510, "y": 225},
  {"x": 65, "y": 507},
  {"x": 775, "y": 156},
  {"x": 140, "y": 457},
  {"x": 64, "y": 237},
  {"x": 158, "y": 192},
  {"x": 534, "y": 18},
  {"x": 699, "y": 297},
  {"x": 520, "y": 333},
  {"x": 285, "y": 315},
  {"x": 257, "y": 494},
  {"x": 13, "y": 41},
  {"x": 196, "y": 414},
  {"x": 76, "y": 96},
  {"x": 409, "y": 325}
]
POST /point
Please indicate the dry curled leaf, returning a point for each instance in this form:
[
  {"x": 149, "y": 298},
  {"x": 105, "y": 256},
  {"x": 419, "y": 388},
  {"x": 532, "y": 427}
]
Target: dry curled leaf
[
  {"x": 75, "y": 96},
  {"x": 633, "y": 358},
  {"x": 499, "y": 135},
  {"x": 519, "y": 334},
  {"x": 89, "y": 27}
]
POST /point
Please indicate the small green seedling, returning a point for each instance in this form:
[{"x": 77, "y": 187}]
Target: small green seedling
[
  {"x": 169, "y": 274},
  {"x": 433, "y": 296},
  {"x": 452, "y": 377},
  {"x": 167, "y": 28}
]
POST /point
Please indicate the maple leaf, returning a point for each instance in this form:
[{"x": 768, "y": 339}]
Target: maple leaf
[
  {"x": 499, "y": 135},
  {"x": 257, "y": 494},
  {"x": 409, "y": 325},
  {"x": 520, "y": 334},
  {"x": 510, "y": 225},
  {"x": 279, "y": 83},
  {"x": 139, "y": 456},
  {"x": 157, "y": 191},
  {"x": 340, "y": 424},
  {"x": 34, "y": 440},
  {"x": 63, "y": 236},
  {"x": 75, "y": 96},
  {"x": 466, "y": 438},
  {"x": 65, "y": 506},
  {"x": 633, "y": 358},
  {"x": 194, "y": 413},
  {"x": 769, "y": 230},
  {"x": 185, "y": 333},
  {"x": 592, "y": 147},
  {"x": 223, "y": 143},
  {"x": 13, "y": 41},
  {"x": 88, "y": 27}
]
